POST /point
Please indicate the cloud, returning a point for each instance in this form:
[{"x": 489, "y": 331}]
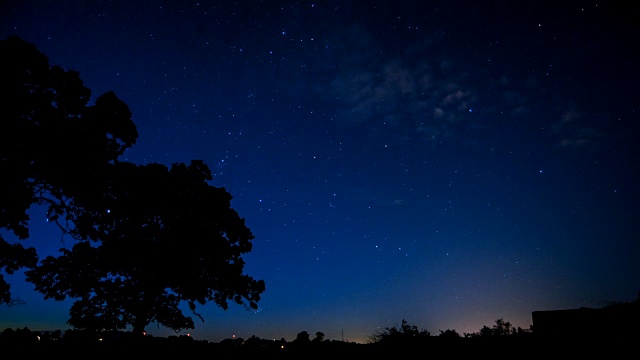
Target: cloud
[
  {"x": 574, "y": 130},
  {"x": 402, "y": 99},
  {"x": 580, "y": 138}
]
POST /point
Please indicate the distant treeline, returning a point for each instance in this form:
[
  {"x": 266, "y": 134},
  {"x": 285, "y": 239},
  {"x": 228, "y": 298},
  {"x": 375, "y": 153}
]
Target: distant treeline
[
  {"x": 609, "y": 331},
  {"x": 501, "y": 338}
]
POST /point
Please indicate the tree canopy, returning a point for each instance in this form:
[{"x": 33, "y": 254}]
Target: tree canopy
[
  {"x": 53, "y": 146},
  {"x": 148, "y": 237},
  {"x": 166, "y": 236}
]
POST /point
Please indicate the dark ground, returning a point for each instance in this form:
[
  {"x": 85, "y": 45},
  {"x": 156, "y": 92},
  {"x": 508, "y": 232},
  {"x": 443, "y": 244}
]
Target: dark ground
[{"x": 499, "y": 346}]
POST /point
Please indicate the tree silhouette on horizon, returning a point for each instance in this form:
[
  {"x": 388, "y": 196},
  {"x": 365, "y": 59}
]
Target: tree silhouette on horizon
[{"x": 147, "y": 237}]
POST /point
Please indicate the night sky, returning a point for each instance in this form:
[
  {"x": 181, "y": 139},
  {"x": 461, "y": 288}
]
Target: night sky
[{"x": 445, "y": 162}]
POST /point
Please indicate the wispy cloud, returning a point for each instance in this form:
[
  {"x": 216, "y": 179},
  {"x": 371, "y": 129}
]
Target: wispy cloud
[{"x": 402, "y": 99}]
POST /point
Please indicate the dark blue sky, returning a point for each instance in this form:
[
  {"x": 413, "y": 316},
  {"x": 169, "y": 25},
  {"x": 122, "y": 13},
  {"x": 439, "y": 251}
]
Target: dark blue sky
[{"x": 444, "y": 162}]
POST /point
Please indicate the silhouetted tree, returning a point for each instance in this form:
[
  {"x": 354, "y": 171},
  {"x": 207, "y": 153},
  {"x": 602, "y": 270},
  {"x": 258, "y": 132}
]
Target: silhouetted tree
[
  {"x": 319, "y": 337},
  {"x": 53, "y": 147},
  {"x": 407, "y": 333},
  {"x": 449, "y": 334},
  {"x": 303, "y": 337},
  {"x": 12, "y": 258},
  {"x": 148, "y": 237},
  {"x": 500, "y": 328},
  {"x": 162, "y": 236}
]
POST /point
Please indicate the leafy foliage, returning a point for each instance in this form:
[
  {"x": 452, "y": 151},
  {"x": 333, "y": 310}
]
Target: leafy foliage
[
  {"x": 148, "y": 237},
  {"x": 500, "y": 328},
  {"x": 405, "y": 334},
  {"x": 53, "y": 146},
  {"x": 165, "y": 236}
]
